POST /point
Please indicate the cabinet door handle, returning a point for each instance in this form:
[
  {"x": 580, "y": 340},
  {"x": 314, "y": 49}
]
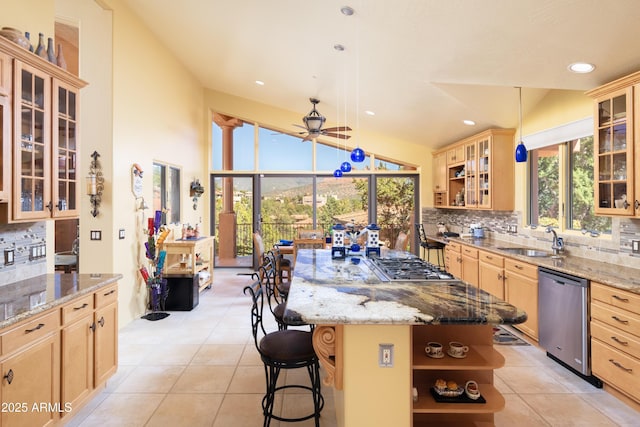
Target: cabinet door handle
[
  {"x": 40, "y": 326},
  {"x": 619, "y": 341},
  {"x": 81, "y": 307},
  {"x": 500, "y": 276},
  {"x": 618, "y": 365},
  {"x": 93, "y": 326},
  {"x": 620, "y": 298},
  {"x": 637, "y": 204},
  {"x": 9, "y": 376},
  {"x": 101, "y": 321},
  {"x": 50, "y": 206},
  {"x": 617, "y": 319}
]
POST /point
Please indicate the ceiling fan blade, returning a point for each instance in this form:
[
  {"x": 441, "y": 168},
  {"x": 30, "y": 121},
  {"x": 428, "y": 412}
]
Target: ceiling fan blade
[
  {"x": 299, "y": 126},
  {"x": 336, "y": 135},
  {"x": 337, "y": 129},
  {"x": 306, "y": 138}
]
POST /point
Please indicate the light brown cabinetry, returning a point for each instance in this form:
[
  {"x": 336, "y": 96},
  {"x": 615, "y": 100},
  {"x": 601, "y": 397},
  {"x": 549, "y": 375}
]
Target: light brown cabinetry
[
  {"x": 469, "y": 261},
  {"x": 30, "y": 367},
  {"x": 5, "y": 148},
  {"x": 491, "y": 273},
  {"x": 440, "y": 179},
  {"x": 480, "y": 171},
  {"x": 478, "y": 365},
  {"x": 190, "y": 257},
  {"x": 106, "y": 336},
  {"x": 521, "y": 290},
  {"x": 615, "y": 338},
  {"x": 44, "y": 137},
  {"x": 616, "y": 147},
  {"x": 453, "y": 259}
]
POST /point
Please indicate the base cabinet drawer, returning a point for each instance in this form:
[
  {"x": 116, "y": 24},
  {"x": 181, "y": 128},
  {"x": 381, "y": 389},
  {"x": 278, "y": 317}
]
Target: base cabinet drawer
[
  {"x": 616, "y": 338},
  {"x": 616, "y": 369},
  {"x": 616, "y": 317}
]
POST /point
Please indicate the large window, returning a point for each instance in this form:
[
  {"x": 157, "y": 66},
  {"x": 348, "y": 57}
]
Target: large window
[{"x": 561, "y": 187}]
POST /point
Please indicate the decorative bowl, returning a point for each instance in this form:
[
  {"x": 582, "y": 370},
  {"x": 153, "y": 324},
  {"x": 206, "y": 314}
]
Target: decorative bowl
[{"x": 15, "y": 36}]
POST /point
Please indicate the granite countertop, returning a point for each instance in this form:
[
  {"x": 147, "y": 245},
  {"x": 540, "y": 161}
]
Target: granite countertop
[
  {"x": 25, "y": 298},
  {"x": 617, "y": 276},
  {"x": 331, "y": 291}
]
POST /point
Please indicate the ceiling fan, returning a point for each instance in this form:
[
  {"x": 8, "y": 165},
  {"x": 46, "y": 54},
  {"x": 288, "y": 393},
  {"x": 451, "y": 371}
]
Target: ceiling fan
[{"x": 313, "y": 124}]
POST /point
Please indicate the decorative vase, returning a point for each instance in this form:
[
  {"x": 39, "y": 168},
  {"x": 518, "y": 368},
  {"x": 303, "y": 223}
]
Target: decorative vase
[
  {"x": 40, "y": 50},
  {"x": 27, "y": 35},
  {"x": 51, "y": 55},
  {"x": 62, "y": 63}
]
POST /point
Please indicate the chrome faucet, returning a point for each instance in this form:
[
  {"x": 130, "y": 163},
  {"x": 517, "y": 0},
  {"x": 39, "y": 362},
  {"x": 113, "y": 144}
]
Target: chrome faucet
[{"x": 557, "y": 244}]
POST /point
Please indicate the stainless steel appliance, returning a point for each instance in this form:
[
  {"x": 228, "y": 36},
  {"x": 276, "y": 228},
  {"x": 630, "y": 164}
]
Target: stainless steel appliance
[
  {"x": 407, "y": 269},
  {"x": 563, "y": 320}
]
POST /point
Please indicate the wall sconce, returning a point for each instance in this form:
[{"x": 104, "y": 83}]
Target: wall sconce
[
  {"x": 95, "y": 183},
  {"x": 196, "y": 191}
]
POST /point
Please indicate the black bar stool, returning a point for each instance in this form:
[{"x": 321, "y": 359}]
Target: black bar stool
[
  {"x": 283, "y": 349},
  {"x": 430, "y": 245}
]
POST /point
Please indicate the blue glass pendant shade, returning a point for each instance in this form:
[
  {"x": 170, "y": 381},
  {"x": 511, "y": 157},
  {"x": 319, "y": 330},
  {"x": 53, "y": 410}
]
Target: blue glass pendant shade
[
  {"x": 357, "y": 155},
  {"x": 345, "y": 167},
  {"x": 337, "y": 173},
  {"x": 521, "y": 153}
]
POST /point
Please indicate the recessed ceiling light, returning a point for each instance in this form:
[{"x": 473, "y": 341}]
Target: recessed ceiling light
[
  {"x": 338, "y": 47},
  {"x": 370, "y": 113},
  {"x": 347, "y": 10},
  {"x": 259, "y": 82},
  {"x": 581, "y": 67},
  {"x": 469, "y": 122}
]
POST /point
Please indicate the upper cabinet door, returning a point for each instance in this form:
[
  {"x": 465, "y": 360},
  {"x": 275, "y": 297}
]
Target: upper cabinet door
[
  {"x": 65, "y": 178},
  {"x": 613, "y": 153},
  {"x": 32, "y": 144}
]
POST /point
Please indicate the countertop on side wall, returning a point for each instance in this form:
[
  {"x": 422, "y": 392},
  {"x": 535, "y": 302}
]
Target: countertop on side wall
[
  {"x": 617, "y": 276},
  {"x": 336, "y": 291},
  {"x": 25, "y": 298}
]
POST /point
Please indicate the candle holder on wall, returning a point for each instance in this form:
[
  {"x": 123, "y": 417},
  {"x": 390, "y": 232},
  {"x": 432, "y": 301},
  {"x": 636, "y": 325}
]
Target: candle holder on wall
[
  {"x": 196, "y": 190},
  {"x": 95, "y": 183}
]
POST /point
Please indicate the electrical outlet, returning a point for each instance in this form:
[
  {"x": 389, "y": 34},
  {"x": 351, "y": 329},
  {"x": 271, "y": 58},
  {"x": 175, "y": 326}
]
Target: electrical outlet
[
  {"x": 385, "y": 355},
  {"x": 635, "y": 246},
  {"x": 512, "y": 229},
  {"x": 121, "y": 234},
  {"x": 8, "y": 257}
]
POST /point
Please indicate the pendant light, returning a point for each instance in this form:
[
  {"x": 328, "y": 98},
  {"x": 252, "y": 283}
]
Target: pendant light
[
  {"x": 337, "y": 173},
  {"x": 345, "y": 167},
  {"x": 521, "y": 150}
]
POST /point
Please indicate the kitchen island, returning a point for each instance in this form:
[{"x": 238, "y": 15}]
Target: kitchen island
[{"x": 355, "y": 310}]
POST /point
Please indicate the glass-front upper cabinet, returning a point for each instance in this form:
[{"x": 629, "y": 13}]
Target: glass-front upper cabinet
[
  {"x": 613, "y": 143},
  {"x": 471, "y": 177},
  {"x": 32, "y": 149},
  {"x": 484, "y": 183},
  {"x": 65, "y": 177}
]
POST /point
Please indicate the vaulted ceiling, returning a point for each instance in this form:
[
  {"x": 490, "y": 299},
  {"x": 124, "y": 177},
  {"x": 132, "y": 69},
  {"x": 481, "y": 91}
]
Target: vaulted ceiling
[{"x": 421, "y": 65}]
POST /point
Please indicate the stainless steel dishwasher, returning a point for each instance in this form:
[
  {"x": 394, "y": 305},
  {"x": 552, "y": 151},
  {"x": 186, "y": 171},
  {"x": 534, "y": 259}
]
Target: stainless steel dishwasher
[{"x": 563, "y": 320}]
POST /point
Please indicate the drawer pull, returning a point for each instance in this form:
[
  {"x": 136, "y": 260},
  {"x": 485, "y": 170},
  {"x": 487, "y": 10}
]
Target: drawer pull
[
  {"x": 81, "y": 307},
  {"x": 620, "y": 298},
  {"x": 40, "y": 326},
  {"x": 619, "y": 341},
  {"x": 488, "y": 257},
  {"x": 519, "y": 267},
  {"x": 109, "y": 293},
  {"x": 101, "y": 321},
  {"x": 9, "y": 376},
  {"x": 617, "y": 319},
  {"x": 618, "y": 365}
]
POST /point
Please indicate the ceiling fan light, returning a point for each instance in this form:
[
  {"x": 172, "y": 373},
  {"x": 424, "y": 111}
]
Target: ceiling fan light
[
  {"x": 313, "y": 122},
  {"x": 337, "y": 173},
  {"x": 357, "y": 155},
  {"x": 345, "y": 167}
]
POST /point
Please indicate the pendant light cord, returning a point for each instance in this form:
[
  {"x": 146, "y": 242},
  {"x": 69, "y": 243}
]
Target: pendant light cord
[{"x": 520, "y": 90}]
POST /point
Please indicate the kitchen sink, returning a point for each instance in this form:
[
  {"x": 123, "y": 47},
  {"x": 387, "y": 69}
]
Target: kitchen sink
[{"x": 527, "y": 252}]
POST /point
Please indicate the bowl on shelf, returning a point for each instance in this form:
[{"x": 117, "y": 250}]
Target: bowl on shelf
[{"x": 15, "y": 36}]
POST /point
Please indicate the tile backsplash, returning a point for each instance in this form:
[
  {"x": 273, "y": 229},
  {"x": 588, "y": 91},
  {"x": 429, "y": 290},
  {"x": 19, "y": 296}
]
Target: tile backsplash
[
  {"x": 20, "y": 238},
  {"x": 614, "y": 248}
]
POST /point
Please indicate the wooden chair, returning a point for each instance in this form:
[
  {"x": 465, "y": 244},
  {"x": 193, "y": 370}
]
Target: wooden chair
[
  {"x": 310, "y": 233},
  {"x": 402, "y": 241},
  {"x": 258, "y": 246},
  {"x": 306, "y": 244}
]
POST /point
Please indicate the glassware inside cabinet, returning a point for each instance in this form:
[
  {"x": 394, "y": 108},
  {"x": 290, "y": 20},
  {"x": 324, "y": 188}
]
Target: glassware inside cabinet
[
  {"x": 619, "y": 108},
  {"x": 604, "y": 168},
  {"x": 620, "y": 137},
  {"x": 620, "y": 167},
  {"x": 604, "y": 140}
]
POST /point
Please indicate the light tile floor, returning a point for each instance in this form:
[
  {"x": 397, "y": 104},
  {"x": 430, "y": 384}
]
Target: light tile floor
[{"x": 200, "y": 368}]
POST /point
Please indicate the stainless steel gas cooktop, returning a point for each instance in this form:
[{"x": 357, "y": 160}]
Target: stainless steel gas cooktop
[{"x": 407, "y": 269}]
